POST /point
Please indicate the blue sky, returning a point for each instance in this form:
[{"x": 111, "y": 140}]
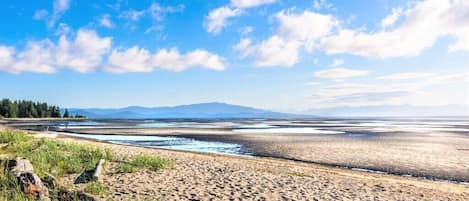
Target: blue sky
[{"x": 284, "y": 55}]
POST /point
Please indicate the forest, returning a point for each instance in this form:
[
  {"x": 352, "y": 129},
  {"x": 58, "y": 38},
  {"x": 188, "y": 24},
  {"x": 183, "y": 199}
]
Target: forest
[{"x": 30, "y": 109}]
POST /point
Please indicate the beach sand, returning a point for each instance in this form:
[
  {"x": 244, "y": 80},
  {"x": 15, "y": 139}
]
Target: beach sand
[
  {"x": 437, "y": 155},
  {"x": 198, "y": 176}
]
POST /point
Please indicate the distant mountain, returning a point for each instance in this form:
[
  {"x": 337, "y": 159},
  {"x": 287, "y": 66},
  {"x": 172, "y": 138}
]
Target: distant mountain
[
  {"x": 202, "y": 110},
  {"x": 390, "y": 110}
]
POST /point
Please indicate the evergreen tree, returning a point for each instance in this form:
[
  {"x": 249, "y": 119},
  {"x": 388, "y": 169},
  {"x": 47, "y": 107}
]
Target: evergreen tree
[
  {"x": 28, "y": 109},
  {"x": 66, "y": 115}
]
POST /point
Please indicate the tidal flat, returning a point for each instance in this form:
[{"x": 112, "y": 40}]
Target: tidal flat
[{"x": 434, "y": 148}]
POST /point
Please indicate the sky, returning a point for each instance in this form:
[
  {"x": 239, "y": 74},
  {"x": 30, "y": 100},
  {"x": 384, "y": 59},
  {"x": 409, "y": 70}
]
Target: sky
[{"x": 284, "y": 55}]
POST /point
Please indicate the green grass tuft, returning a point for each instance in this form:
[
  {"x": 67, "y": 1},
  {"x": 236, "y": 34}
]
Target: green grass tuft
[
  {"x": 96, "y": 188},
  {"x": 151, "y": 162},
  {"x": 125, "y": 168},
  {"x": 57, "y": 158},
  {"x": 135, "y": 163},
  {"x": 10, "y": 136}
]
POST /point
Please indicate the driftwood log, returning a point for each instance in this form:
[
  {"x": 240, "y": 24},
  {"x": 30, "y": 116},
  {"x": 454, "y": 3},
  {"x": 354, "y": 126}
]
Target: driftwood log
[
  {"x": 98, "y": 171},
  {"x": 91, "y": 175},
  {"x": 28, "y": 181}
]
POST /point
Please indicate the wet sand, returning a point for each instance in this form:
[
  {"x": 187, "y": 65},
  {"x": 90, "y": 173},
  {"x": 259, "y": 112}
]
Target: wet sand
[
  {"x": 435, "y": 155},
  {"x": 198, "y": 176}
]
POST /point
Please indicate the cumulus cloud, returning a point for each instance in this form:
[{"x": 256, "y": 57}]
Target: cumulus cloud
[
  {"x": 274, "y": 51},
  {"x": 6, "y": 56},
  {"x": 174, "y": 61},
  {"x": 84, "y": 54},
  {"x": 296, "y": 30},
  {"x": 306, "y": 27},
  {"x": 404, "y": 32},
  {"x": 392, "y": 18},
  {"x": 134, "y": 59},
  {"x": 339, "y": 73},
  {"x": 218, "y": 18},
  {"x": 137, "y": 59},
  {"x": 422, "y": 25}
]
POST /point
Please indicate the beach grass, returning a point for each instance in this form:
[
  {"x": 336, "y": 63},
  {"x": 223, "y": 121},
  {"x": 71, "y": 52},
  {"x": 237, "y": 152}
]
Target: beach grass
[
  {"x": 125, "y": 168},
  {"x": 135, "y": 163},
  {"x": 12, "y": 136},
  {"x": 52, "y": 156},
  {"x": 96, "y": 188}
]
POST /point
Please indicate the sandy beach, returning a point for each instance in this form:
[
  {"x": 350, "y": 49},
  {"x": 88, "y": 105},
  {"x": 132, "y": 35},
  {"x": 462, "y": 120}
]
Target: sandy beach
[
  {"x": 436, "y": 155},
  {"x": 198, "y": 176},
  {"x": 205, "y": 176}
]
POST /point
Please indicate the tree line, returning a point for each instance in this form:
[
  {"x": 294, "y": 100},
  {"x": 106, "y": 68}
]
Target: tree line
[{"x": 30, "y": 109}]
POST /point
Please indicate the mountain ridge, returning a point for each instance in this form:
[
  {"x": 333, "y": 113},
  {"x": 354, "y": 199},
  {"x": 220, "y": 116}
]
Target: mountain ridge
[{"x": 198, "y": 110}]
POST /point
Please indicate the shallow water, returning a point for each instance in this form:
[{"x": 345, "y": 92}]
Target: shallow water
[{"x": 175, "y": 143}]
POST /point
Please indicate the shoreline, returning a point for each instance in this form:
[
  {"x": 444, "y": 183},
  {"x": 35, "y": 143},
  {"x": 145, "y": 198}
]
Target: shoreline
[
  {"x": 258, "y": 156},
  {"x": 218, "y": 176},
  {"x": 221, "y": 135}
]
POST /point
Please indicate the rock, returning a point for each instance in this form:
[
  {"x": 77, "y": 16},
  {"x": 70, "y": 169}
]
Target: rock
[
  {"x": 29, "y": 183},
  {"x": 50, "y": 181},
  {"x": 20, "y": 165}
]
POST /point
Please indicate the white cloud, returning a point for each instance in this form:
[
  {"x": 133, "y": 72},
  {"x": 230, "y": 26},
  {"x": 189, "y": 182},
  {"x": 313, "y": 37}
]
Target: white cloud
[
  {"x": 250, "y": 3},
  {"x": 418, "y": 92},
  {"x": 336, "y": 63},
  {"x": 174, "y": 61},
  {"x": 155, "y": 10},
  {"x": 218, "y": 18},
  {"x": 6, "y": 56},
  {"x": 392, "y": 18},
  {"x": 339, "y": 73},
  {"x": 158, "y": 12},
  {"x": 404, "y": 76},
  {"x": 422, "y": 25},
  {"x": 321, "y": 4},
  {"x": 133, "y": 15},
  {"x": 137, "y": 59},
  {"x": 105, "y": 21},
  {"x": 40, "y": 14},
  {"x": 134, "y": 59},
  {"x": 306, "y": 27},
  {"x": 274, "y": 51},
  {"x": 37, "y": 58},
  {"x": 246, "y": 30},
  {"x": 60, "y": 6},
  {"x": 85, "y": 53},
  {"x": 296, "y": 30}
]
